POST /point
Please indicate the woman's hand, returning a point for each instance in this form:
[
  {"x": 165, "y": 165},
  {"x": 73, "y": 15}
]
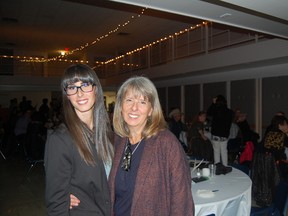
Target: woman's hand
[{"x": 74, "y": 201}]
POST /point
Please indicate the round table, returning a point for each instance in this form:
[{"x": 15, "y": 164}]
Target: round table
[{"x": 223, "y": 195}]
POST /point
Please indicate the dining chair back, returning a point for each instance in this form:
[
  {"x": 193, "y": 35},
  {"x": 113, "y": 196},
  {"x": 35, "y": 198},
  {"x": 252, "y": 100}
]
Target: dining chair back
[
  {"x": 1, "y": 146},
  {"x": 35, "y": 145},
  {"x": 242, "y": 167}
]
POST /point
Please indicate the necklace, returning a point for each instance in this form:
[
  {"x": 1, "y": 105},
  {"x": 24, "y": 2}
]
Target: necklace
[
  {"x": 135, "y": 147},
  {"x": 126, "y": 163}
]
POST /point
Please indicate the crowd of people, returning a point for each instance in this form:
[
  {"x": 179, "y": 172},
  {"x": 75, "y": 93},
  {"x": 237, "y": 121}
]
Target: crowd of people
[
  {"x": 220, "y": 130},
  {"x": 224, "y": 137},
  {"x": 228, "y": 136},
  {"x": 24, "y": 127}
]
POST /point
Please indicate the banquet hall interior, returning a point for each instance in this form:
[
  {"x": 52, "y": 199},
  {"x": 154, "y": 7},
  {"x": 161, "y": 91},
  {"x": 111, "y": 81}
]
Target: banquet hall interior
[{"x": 191, "y": 50}]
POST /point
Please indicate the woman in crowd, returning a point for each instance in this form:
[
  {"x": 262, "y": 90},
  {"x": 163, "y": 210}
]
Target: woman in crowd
[
  {"x": 80, "y": 149},
  {"x": 275, "y": 139},
  {"x": 177, "y": 127},
  {"x": 268, "y": 167},
  {"x": 199, "y": 144}
]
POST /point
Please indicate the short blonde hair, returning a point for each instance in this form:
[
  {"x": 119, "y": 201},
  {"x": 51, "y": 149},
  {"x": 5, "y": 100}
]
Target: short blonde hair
[
  {"x": 139, "y": 85},
  {"x": 174, "y": 112}
]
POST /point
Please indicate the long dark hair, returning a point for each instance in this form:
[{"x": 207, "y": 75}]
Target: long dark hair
[{"x": 102, "y": 135}]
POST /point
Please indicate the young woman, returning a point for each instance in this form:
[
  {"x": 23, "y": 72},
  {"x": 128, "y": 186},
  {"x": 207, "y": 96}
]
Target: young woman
[{"x": 80, "y": 149}]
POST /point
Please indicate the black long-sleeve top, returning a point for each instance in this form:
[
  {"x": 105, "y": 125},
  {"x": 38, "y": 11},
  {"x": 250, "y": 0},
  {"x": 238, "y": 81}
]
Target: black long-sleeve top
[{"x": 222, "y": 118}]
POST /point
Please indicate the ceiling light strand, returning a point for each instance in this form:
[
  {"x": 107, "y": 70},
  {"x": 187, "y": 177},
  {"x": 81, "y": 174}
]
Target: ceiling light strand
[
  {"x": 60, "y": 58},
  {"x": 153, "y": 43},
  {"x": 113, "y": 31},
  {"x": 67, "y": 53}
]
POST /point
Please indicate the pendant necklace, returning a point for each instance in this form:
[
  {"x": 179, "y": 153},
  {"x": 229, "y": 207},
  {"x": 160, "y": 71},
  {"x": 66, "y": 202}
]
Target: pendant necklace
[{"x": 131, "y": 145}]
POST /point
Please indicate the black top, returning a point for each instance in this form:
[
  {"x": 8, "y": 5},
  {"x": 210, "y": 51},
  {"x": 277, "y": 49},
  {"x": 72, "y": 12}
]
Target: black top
[
  {"x": 193, "y": 132},
  {"x": 125, "y": 182},
  {"x": 176, "y": 127},
  {"x": 221, "y": 120},
  {"x": 67, "y": 173}
]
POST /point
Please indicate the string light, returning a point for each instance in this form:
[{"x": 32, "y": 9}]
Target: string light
[
  {"x": 67, "y": 53},
  {"x": 153, "y": 43},
  {"x": 60, "y": 57},
  {"x": 100, "y": 38},
  {"x": 39, "y": 59}
]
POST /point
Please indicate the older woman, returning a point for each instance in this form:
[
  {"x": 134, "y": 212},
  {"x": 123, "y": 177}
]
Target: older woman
[{"x": 150, "y": 173}]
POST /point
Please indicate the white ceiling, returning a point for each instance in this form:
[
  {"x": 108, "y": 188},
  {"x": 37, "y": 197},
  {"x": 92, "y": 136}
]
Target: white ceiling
[
  {"x": 266, "y": 16},
  {"x": 31, "y": 27}
]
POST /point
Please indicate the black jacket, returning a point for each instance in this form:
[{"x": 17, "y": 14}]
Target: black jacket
[
  {"x": 67, "y": 173},
  {"x": 221, "y": 119}
]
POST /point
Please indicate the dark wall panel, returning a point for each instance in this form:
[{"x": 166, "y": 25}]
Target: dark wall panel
[
  {"x": 192, "y": 101},
  {"x": 6, "y": 64},
  {"x": 274, "y": 97},
  {"x": 174, "y": 97},
  {"x": 211, "y": 90},
  {"x": 243, "y": 98},
  {"x": 163, "y": 99}
]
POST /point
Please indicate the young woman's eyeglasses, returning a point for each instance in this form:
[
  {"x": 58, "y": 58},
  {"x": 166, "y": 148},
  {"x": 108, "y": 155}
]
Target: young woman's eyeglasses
[{"x": 85, "y": 87}]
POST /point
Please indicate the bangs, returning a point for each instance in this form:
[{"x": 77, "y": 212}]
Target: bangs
[
  {"x": 137, "y": 90},
  {"x": 76, "y": 75}
]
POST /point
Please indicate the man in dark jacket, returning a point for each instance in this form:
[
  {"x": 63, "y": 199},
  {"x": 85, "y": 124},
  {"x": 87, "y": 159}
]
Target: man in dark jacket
[{"x": 222, "y": 118}]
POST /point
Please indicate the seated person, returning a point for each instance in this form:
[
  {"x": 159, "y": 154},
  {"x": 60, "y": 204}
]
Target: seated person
[
  {"x": 198, "y": 144},
  {"x": 177, "y": 127},
  {"x": 247, "y": 133}
]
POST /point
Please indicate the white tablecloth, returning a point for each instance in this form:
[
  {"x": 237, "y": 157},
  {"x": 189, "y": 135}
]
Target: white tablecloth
[{"x": 232, "y": 198}]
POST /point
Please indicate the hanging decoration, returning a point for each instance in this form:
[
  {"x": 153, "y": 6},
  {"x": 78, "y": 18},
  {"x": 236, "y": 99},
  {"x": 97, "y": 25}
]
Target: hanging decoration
[
  {"x": 62, "y": 57},
  {"x": 67, "y": 52},
  {"x": 154, "y": 43}
]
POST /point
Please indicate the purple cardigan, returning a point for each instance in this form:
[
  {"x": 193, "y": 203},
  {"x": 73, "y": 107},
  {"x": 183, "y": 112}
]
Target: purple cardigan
[{"x": 163, "y": 181}]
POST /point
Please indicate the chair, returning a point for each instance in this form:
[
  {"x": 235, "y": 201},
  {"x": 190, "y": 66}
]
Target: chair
[
  {"x": 278, "y": 205},
  {"x": 242, "y": 167},
  {"x": 234, "y": 148},
  {"x": 286, "y": 208},
  {"x": 2, "y": 154},
  {"x": 34, "y": 146},
  {"x": 1, "y": 145},
  {"x": 32, "y": 163}
]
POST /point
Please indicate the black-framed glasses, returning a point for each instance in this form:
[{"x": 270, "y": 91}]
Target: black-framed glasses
[
  {"x": 126, "y": 163},
  {"x": 85, "y": 87}
]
